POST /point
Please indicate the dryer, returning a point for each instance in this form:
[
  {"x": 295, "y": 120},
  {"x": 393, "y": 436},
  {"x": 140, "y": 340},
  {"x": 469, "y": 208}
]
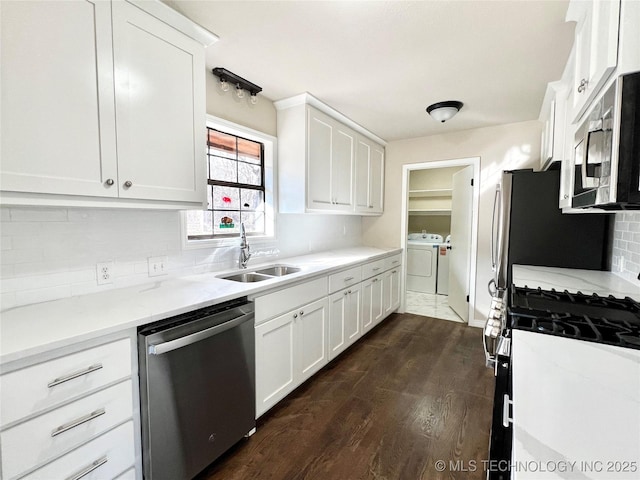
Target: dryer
[{"x": 422, "y": 262}]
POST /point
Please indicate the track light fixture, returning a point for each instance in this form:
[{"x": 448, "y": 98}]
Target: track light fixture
[
  {"x": 226, "y": 78},
  {"x": 443, "y": 111}
]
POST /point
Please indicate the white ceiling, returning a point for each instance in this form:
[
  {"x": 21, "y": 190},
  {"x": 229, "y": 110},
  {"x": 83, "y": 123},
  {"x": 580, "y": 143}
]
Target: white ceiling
[{"x": 381, "y": 63}]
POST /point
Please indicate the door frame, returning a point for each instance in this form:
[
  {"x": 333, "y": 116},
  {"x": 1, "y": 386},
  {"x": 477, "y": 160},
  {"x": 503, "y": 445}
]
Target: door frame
[{"x": 459, "y": 162}]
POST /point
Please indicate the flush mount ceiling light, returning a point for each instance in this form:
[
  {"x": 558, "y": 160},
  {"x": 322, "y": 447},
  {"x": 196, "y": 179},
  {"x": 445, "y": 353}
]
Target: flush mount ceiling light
[
  {"x": 443, "y": 111},
  {"x": 226, "y": 77}
]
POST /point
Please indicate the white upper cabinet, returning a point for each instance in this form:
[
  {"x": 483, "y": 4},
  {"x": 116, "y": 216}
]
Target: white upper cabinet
[
  {"x": 101, "y": 102},
  {"x": 330, "y": 153},
  {"x": 159, "y": 72},
  {"x": 58, "y": 118},
  {"x": 596, "y": 48},
  {"x": 326, "y": 162},
  {"x": 369, "y": 184}
]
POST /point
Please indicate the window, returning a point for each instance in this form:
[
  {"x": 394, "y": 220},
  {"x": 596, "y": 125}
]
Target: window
[{"x": 239, "y": 186}]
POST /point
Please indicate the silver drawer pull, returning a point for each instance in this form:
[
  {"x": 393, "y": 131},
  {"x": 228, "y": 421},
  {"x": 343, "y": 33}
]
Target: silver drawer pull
[
  {"x": 88, "y": 469},
  {"x": 376, "y": 269},
  {"x": 395, "y": 261},
  {"x": 348, "y": 279},
  {"x": 77, "y": 422},
  {"x": 394, "y": 271},
  {"x": 73, "y": 375},
  {"x": 375, "y": 280}
]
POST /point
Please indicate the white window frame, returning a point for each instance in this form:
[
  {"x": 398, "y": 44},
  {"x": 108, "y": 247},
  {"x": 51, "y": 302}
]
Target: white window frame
[{"x": 270, "y": 155}]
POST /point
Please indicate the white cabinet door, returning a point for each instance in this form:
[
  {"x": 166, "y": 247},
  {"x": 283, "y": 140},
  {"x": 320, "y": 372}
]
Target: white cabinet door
[
  {"x": 311, "y": 339},
  {"x": 596, "y": 48},
  {"x": 345, "y": 319},
  {"x": 369, "y": 165},
  {"x": 353, "y": 320},
  {"x": 160, "y": 106},
  {"x": 338, "y": 306},
  {"x": 275, "y": 361},
  {"x": 376, "y": 177},
  {"x": 319, "y": 131},
  {"x": 342, "y": 166},
  {"x": 57, "y": 115},
  {"x": 373, "y": 309},
  {"x": 391, "y": 291}
]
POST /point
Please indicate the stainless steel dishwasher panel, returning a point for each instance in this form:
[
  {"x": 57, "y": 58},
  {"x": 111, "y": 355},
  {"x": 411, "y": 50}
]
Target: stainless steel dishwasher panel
[{"x": 197, "y": 382}]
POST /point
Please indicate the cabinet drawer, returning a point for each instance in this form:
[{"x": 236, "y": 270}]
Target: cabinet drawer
[
  {"x": 34, "y": 389},
  {"x": 33, "y": 442},
  {"x": 372, "y": 269},
  {"x": 340, "y": 280},
  {"x": 276, "y": 303},
  {"x": 108, "y": 456},
  {"x": 128, "y": 475},
  {"x": 392, "y": 262}
]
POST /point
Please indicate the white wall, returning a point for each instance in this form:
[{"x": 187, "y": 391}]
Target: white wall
[
  {"x": 52, "y": 253},
  {"x": 500, "y": 148},
  {"x": 626, "y": 246}
]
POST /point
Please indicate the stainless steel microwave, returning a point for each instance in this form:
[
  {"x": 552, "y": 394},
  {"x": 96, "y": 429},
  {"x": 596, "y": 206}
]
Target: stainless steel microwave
[{"x": 606, "y": 155}]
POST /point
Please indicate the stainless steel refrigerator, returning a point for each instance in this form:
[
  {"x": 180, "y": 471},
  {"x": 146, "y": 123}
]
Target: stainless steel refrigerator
[{"x": 529, "y": 229}]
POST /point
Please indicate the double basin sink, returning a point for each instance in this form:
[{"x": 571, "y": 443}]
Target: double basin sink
[{"x": 262, "y": 274}]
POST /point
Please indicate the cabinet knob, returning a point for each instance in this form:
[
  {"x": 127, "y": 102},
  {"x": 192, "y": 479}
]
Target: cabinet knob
[
  {"x": 349, "y": 291},
  {"x": 109, "y": 182},
  {"x": 345, "y": 293},
  {"x": 295, "y": 315},
  {"x": 583, "y": 85},
  {"x": 301, "y": 312},
  {"x": 128, "y": 184},
  {"x": 565, "y": 196}
]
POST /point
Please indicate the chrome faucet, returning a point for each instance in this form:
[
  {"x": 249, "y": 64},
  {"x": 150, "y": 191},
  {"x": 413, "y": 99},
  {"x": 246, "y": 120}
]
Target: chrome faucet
[{"x": 245, "y": 251}]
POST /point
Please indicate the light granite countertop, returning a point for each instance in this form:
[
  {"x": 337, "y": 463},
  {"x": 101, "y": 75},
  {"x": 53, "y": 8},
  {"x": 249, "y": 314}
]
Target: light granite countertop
[
  {"x": 34, "y": 329},
  {"x": 574, "y": 280}
]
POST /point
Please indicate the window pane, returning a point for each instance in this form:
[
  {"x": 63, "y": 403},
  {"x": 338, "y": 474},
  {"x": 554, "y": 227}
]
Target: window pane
[
  {"x": 223, "y": 169},
  {"x": 249, "y": 174},
  {"x": 226, "y": 223},
  {"x": 249, "y": 151},
  {"x": 253, "y": 222},
  {"x": 199, "y": 222},
  {"x": 226, "y": 198},
  {"x": 251, "y": 199},
  {"x": 222, "y": 145}
]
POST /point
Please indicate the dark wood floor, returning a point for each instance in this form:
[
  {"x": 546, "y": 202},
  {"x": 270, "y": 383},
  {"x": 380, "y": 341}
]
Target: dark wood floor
[{"x": 413, "y": 391}]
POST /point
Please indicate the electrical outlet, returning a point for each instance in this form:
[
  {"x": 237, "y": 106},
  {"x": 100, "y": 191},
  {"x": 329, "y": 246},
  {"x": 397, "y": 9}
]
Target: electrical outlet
[
  {"x": 158, "y": 266},
  {"x": 104, "y": 272}
]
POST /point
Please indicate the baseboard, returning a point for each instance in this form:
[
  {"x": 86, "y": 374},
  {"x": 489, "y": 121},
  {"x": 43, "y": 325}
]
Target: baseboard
[{"x": 477, "y": 323}]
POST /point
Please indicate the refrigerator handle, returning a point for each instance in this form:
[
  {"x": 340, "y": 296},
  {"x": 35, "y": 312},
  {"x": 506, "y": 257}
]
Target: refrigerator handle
[{"x": 494, "y": 231}]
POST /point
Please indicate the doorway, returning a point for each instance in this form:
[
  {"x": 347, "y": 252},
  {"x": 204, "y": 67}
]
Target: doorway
[{"x": 440, "y": 199}]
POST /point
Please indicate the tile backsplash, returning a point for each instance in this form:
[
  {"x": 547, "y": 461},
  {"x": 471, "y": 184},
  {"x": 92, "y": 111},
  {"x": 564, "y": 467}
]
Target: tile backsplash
[
  {"x": 51, "y": 253},
  {"x": 626, "y": 246}
]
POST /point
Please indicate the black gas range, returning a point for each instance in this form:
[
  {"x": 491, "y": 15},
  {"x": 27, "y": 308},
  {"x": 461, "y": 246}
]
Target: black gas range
[{"x": 592, "y": 318}]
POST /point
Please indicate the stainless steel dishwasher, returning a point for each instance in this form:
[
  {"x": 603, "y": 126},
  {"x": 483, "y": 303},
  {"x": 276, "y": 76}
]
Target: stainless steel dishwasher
[{"x": 197, "y": 388}]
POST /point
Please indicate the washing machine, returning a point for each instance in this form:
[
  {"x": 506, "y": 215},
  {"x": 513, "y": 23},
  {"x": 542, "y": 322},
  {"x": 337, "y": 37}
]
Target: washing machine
[
  {"x": 444, "y": 251},
  {"x": 422, "y": 261}
]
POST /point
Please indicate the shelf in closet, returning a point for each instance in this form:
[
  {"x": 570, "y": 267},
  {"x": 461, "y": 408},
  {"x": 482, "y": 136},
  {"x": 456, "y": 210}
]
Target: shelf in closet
[
  {"x": 429, "y": 211},
  {"x": 431, "y": 192}
]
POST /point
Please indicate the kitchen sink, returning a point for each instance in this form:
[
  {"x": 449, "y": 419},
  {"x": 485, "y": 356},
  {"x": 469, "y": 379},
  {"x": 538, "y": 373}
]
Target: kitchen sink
[
  {"x": 247, "y": 277},
  {"x": 278, "y": 270},
  {"x": 262, "y": 274}
]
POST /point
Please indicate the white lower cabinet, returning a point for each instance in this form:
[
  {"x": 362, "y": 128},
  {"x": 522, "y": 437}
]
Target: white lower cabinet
[
  {"x": 71, "y": 415},
  {"x": 391, "y": 290},
  {"x": 294, "y": 342},
  {"x": 372, "y": 303},
  {"x": 105, "y": 457},
  {"x": 345, "y": 319},
  {"x": 289, "y": 349}
]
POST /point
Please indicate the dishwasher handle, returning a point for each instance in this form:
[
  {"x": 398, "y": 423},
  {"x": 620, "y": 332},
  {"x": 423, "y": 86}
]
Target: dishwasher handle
[{"x": 164, "y": 347}]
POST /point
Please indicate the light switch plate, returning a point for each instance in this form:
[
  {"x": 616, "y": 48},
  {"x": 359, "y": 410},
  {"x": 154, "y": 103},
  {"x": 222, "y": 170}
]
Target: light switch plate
[{"x": 158, "y": 266}]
